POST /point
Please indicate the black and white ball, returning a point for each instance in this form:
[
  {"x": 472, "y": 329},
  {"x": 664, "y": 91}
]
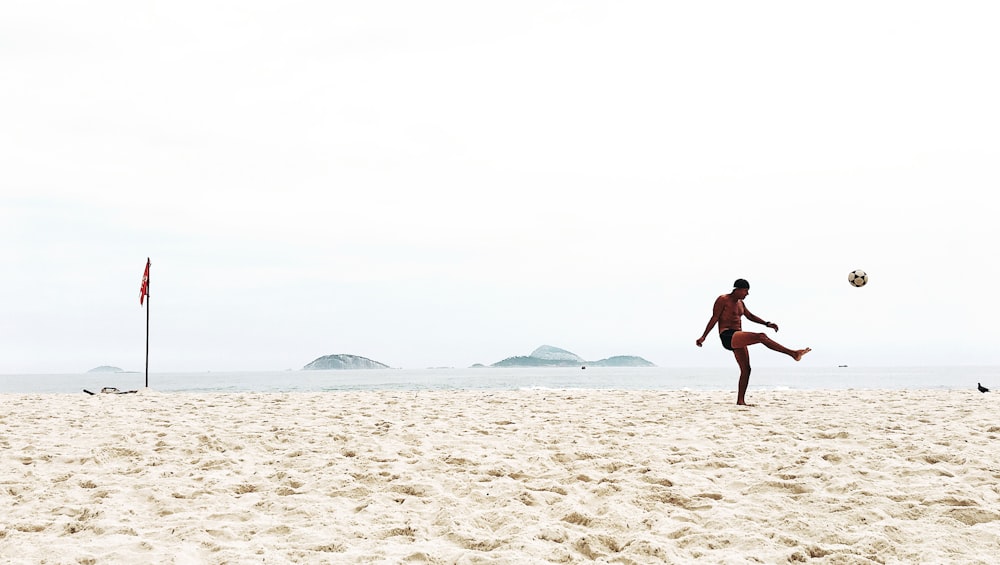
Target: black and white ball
[{"x": 857, "y": 278}]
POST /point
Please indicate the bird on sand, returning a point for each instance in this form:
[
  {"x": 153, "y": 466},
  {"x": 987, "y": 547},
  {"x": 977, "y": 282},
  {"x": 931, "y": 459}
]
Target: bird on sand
[{"x": 982, "y": 388}]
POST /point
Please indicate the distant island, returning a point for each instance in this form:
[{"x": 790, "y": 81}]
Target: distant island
[
  {"x": 548, "y": 356},
  {"x": 106, "y": 369},
  {"x": 343, "y": 361}
]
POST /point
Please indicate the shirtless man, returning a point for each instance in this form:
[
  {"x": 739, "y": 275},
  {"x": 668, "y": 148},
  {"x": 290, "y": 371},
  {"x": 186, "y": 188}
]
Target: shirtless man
[{"x": 728, "y": 312}]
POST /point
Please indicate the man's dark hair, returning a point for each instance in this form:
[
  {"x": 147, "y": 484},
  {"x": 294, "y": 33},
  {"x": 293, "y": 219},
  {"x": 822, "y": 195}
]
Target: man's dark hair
[{"x": 741, "y": 283}]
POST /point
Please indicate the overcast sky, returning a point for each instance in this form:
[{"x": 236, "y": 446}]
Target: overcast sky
[{"x": 448, "y": 183}]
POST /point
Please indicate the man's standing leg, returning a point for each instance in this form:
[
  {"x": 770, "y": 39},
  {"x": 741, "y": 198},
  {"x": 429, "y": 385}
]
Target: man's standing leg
[{"x": 742, "y": 355}]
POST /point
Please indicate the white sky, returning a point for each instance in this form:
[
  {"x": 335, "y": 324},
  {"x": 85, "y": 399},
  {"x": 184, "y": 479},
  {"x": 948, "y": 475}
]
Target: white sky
[{"x": 446, "y": 183}]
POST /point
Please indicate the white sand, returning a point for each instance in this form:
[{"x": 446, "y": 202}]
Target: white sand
[{"x": 500, "y": 477}]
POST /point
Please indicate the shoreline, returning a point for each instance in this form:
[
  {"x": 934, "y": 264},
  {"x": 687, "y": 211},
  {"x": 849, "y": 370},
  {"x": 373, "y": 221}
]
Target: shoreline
[
  {"x": 765, "y": 389},
  {"x": 563, "y": 475},
  {"x": 792, "y": 377}
]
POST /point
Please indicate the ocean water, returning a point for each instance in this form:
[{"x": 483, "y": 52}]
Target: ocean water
[{"x": 632, "y": 378}]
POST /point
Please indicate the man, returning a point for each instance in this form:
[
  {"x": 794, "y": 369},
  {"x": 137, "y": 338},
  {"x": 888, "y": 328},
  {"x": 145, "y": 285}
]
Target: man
[{"x": 728, "y": 312}]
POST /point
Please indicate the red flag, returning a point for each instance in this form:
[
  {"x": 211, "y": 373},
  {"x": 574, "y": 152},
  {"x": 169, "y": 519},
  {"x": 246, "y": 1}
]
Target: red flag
[{"x": 144, "y": 289}]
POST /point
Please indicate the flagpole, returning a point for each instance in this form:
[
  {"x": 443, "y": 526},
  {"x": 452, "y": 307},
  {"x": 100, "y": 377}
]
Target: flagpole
[{"x": 147, "y": 327}]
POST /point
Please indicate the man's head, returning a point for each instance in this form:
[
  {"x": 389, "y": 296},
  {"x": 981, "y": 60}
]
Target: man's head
[{"x": 741, "y": 288}]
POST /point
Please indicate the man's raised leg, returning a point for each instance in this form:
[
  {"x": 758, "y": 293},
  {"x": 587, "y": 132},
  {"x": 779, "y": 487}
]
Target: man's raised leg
[{"x": 745, "y": 339}]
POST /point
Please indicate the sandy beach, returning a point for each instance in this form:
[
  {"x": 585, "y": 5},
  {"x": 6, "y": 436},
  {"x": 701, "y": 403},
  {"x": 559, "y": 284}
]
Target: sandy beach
[{"x": 501, "y": 477}]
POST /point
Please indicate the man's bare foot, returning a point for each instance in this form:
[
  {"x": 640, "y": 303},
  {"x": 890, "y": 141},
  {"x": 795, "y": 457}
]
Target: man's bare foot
[
  {"x": 798, "y": 354},
  {"x": 743, "y": 403}
]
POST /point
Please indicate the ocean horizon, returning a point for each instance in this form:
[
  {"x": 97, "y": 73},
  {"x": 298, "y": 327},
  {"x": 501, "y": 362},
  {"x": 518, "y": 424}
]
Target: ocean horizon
[{"x": 490, "y": 378}]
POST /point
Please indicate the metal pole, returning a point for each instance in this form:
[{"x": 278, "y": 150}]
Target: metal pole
[{"x": 147, "y": 328}]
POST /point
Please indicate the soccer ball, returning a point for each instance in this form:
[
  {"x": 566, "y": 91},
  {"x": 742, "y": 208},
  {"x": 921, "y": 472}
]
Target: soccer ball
[{"x": 857, "y": 278}]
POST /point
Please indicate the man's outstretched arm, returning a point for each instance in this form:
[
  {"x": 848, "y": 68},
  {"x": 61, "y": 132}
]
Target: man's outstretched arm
[
  {"x": 716, "y": 313},
  {"x": 757, "y": 319}
]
